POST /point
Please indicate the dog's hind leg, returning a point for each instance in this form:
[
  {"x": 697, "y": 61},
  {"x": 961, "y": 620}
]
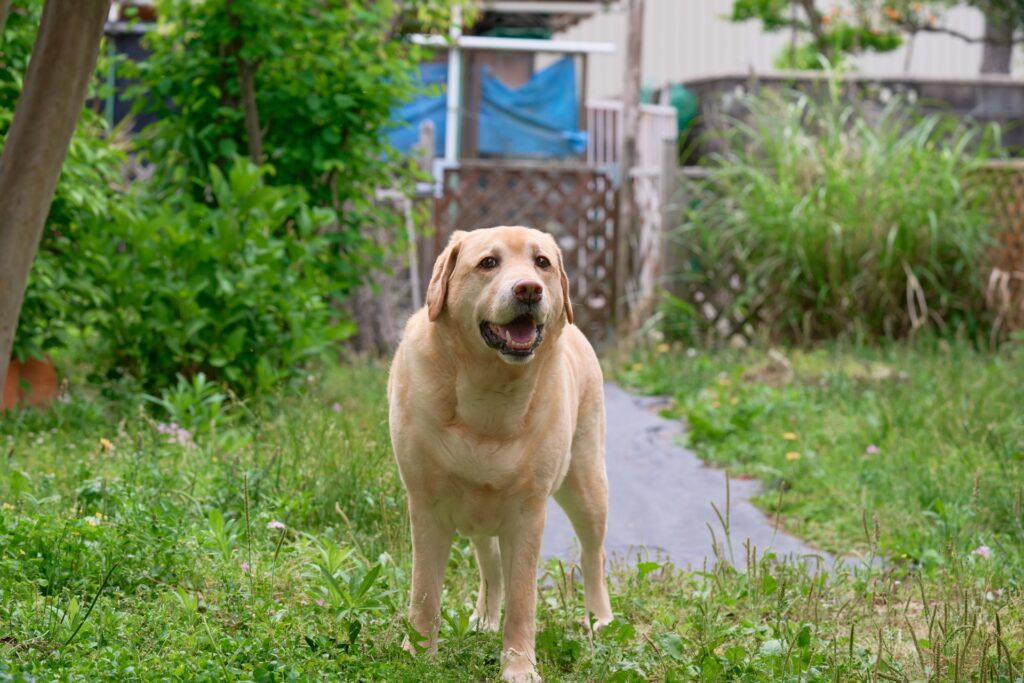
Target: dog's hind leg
[
  {"x": 584, "y": 497},
  {"x": 488, "y": 603}
]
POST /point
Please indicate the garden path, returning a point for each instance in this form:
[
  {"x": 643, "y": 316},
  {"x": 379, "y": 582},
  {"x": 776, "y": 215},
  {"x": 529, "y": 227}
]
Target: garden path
[{"x": 660, "y": 496}]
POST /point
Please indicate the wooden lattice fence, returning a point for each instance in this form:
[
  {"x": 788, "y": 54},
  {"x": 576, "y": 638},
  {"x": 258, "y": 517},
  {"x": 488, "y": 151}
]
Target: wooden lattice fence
[
  {"x": 573, "y": 202},
  {"x": 1005, "y": 293},
  {"x": 715, "y": 294},
  {"x": 713, "y": 291}
]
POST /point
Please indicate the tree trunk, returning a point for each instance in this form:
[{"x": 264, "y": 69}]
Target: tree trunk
[
  {"x": 5, "y": 9},
  {"x": 997, "y": 50},
  {"x": 247, "y": 81},
  {"x": 247, "y": 86},
  {"x": 814, "y": 22},
  {"x": 56, "y": 81}
]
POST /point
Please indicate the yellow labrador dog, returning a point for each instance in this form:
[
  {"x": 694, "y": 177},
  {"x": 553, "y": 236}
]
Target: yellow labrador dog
[{"x": 496, "y": 403}]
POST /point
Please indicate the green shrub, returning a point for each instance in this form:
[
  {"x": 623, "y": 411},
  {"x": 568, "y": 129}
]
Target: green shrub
[
  {"x": 823, "y": 219},
  {"x": 236, "y": 289},
  {"x": 327, "y": 78}
]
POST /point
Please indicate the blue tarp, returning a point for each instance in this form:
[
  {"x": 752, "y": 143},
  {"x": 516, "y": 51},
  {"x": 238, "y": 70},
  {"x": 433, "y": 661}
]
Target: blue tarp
[
  {"x": 425, "y": 107},
  {"x": 538, "y": 119}
]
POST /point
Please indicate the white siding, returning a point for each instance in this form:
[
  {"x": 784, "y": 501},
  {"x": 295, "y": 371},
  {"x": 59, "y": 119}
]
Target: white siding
[{"x": 685, "y": 39}]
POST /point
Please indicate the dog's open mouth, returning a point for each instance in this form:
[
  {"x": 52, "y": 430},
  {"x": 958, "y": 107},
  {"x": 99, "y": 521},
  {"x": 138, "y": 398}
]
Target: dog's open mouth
[{"x": 518, "y": 337}]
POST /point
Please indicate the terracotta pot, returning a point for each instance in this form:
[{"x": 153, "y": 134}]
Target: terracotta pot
[
  {"x": 11, "y": 386},
  {"x": 32, "y": 382}
]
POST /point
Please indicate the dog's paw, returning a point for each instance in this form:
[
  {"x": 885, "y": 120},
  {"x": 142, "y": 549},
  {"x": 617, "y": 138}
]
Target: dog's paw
[
  {"x": 416, "y": 651},
  {"x": 595, "y": 623},
  {"x": 485, "y": 623},
  {"x": 518, "y": 667}
]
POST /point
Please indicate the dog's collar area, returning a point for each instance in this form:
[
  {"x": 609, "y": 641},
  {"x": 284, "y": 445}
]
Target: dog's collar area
[{"x": 518, "y": 338}]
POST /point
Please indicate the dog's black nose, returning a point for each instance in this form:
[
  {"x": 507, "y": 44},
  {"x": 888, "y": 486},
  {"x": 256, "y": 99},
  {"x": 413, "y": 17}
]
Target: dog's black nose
[{"x": 528, "y": 291}]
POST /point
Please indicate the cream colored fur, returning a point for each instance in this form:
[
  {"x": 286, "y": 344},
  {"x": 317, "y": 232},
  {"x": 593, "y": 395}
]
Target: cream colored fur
[{"x": 482, "y": 439}]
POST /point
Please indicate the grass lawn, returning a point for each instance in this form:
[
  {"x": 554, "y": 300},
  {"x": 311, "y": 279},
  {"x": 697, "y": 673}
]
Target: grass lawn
[
  {"x": 922, "y": 450},
  {"x": 269, "y": 541}
]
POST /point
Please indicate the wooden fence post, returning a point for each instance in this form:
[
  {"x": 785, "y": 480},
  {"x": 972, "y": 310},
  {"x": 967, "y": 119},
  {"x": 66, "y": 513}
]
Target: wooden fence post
[
  {"x": 671, "y": 211},
  {"x": 628, "y": 156}
]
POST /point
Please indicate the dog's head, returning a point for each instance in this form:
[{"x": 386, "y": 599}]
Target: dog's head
[{"x": 503, "y": 289}]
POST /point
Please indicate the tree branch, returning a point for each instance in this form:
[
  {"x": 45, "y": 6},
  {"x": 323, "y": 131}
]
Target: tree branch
[
  {"x": 924, "y": 28},
  {"x": 247, "y": 86},
  {"x": 813, "y": 18},
  {"x": 5, "y": 9},
  {"x": 247, "y": 81},
  {"x": 396, "y": 21}
]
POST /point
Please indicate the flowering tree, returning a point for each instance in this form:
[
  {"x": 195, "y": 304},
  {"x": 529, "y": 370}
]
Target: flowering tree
[
  {"x": 818, "y": 33},
  {"x": 879, "y": 26},
  {"x": 1004, "y": 27}
]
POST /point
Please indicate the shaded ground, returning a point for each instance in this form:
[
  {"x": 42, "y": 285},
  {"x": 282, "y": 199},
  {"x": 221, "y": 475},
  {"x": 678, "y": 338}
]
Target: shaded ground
[{"x": 661, "y": 495}]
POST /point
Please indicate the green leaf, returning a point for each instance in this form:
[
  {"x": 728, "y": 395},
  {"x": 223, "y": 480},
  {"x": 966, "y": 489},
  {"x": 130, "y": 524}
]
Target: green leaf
[
  {"x": 645, "y": 568},
  {"x": 803, "y": 638},
  {"x": 20, "y": 483},
  {"x": 672, "y": 646}
]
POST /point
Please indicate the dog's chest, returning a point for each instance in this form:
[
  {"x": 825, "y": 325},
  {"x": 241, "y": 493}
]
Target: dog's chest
[
  {"x": 528, "y": 460},
  {"x": 485, "y": 483}
]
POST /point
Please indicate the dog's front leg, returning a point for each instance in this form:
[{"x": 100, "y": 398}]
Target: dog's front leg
[
  {"x": 431, "y": 543},
  {"x": 520, "y": 552}
]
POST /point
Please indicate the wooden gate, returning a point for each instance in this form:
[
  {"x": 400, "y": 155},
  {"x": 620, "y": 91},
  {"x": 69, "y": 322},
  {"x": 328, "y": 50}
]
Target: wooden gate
[{"x": 573, "y": 202}]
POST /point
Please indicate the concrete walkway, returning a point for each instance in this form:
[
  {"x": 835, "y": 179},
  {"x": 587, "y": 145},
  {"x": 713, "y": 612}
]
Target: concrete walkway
[{"x": 661, "y": 494}]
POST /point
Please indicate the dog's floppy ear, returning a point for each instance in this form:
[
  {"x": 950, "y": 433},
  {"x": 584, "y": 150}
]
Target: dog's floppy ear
[
  {"x": 444, "y": 266},
  {"x": 564, "y": 280}
]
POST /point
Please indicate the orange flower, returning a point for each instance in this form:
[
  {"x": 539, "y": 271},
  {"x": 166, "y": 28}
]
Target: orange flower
[
  {"x": 892, "y": 13},
  {"x": 792, "y": 455}
]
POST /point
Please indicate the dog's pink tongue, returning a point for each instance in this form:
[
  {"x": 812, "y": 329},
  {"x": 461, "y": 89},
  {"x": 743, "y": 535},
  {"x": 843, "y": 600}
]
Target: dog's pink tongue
[{"x": 521, "y": 329}]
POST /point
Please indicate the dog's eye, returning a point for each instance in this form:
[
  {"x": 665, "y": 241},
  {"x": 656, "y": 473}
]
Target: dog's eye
[
  {"x": 488, "y": 263},
  {"x": 542, "y": 262}
]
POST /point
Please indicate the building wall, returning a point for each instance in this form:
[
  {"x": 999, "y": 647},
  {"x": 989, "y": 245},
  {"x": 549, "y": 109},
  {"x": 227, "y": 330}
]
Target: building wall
[{"x": 687, "y": 39}]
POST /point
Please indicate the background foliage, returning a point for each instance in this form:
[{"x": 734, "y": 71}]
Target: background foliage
[
  {"x": 823, "y": 218},
  {"x": 207, "y": 264},
  {"x": 236, "y": 289},
  {"x": 327, "y": 77}
]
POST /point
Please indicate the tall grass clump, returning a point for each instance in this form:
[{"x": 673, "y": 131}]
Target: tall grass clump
[{"x": 825, "y": 217}]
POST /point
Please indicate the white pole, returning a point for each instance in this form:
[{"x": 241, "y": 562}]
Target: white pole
[{"x": 451, "y": 133}]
